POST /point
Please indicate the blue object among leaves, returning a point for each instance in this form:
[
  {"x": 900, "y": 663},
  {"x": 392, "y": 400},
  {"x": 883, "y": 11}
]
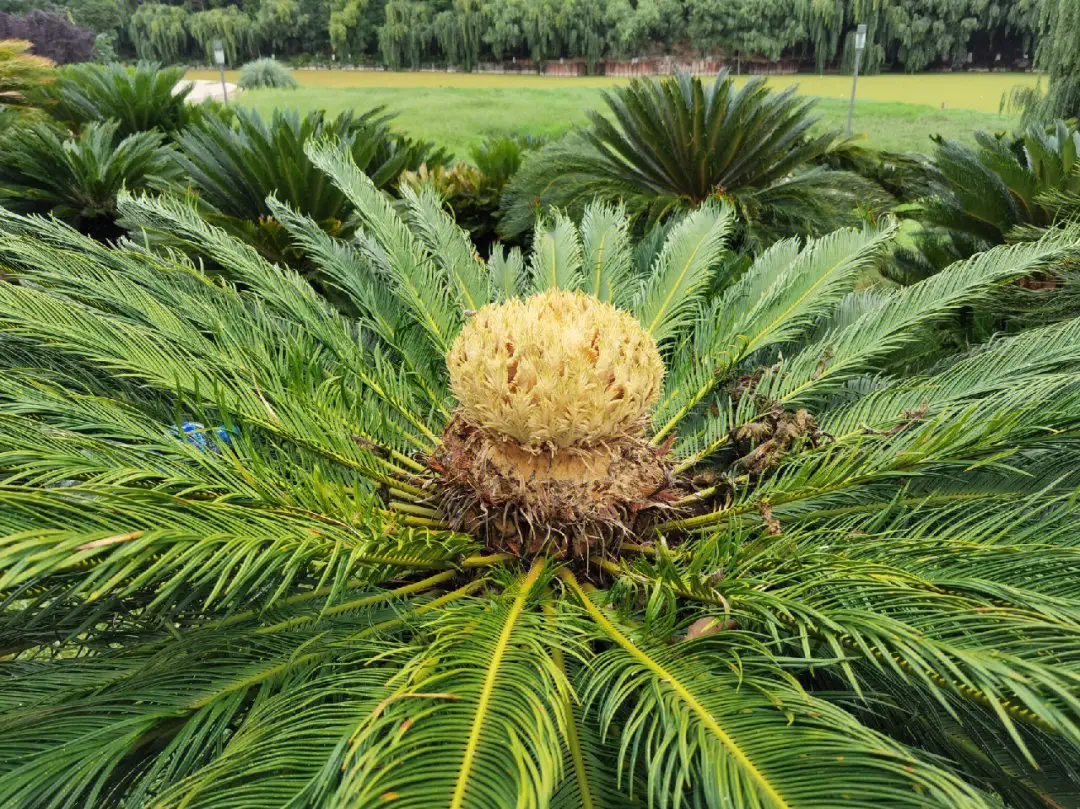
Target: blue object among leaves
[{"x": 194, "y": 433}]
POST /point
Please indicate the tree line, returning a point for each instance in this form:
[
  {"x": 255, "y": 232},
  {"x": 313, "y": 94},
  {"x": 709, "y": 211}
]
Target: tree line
[{"x": 910, "y": 35}]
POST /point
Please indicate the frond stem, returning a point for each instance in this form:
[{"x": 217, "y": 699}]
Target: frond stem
[
  {"x": 457, "y": 800},
  {"x": 487, "y": 561},
  {"x": 412, "y": 508},
  {"x": 573, "y": 740},
  {"x": 696, "y": 497},
  {"x": 424, "y": 522},
  {"x": 367, "y": 601},
  {"x": 434, "y": 604},
  {"x": 637, "y": 547},
  {"x": 701, "y": 454}
]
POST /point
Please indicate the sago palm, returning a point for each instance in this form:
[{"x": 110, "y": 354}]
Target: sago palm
[
  {"x": 1004, "y": 188},
  {"x": 78, "y": 178},
  {"x": 233, "y": 162},
  {"x": 544, "y": 532},
  {"x": 139, "y": 98},
  {"x": 667, "y": 145}
]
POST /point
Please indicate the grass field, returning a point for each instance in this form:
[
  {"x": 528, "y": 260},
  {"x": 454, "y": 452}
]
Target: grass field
[{"x": 457, "y": 110}]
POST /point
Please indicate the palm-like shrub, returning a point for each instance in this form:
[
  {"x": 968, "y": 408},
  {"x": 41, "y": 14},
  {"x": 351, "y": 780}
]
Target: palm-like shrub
[
  {"x": 668, "y": 145},
  {"x": 845, "y": 586},
  {"x": 234, "y": 163},
  {"x": 77, "y": 178},
  {"x": 138, "y": 98},
  {"x": 1005, "y": 188},
  {"x": 265, "y": 73},
  {"x": 21, "y": 73}
]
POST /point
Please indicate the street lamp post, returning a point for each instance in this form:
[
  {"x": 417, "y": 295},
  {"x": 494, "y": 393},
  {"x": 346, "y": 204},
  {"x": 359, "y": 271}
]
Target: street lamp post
[
  {"x": 860, "y": 44},
  {"x": 219, "y": 58}
]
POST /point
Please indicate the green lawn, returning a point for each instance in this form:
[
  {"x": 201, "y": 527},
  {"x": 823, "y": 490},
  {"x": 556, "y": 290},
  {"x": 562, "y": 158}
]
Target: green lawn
[{"x": 895, "y": 112}]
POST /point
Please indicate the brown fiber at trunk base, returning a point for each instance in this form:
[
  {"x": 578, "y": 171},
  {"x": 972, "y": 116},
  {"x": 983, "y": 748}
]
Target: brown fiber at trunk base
[{"x": 528, "y": 500}]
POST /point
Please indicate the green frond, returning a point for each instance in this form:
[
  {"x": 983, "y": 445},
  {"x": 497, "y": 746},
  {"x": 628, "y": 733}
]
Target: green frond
[
  {"x": 606, "y": 255},
  {"x": 174, "y": 551},
  {"x": 507, "y": 269},
  {"x": 682, "y": 272},
  {"x": 1008, "y": 362},
  {"x": 343, "y": 267},
  {"x": 482, "y": 701},
  {"x": 148, "y": 719},
  {"x": 392, "y": 246},
  {"x": 556, "y": 256},
  {"x": 450, "y": 247},
  {"x": 779, "y": 298},
  {"x": 591, "y": 769},
  {"x": 709, "y": 718},
  {"x": 898, "y": 320},
  {"x": 927, "y": 634}
]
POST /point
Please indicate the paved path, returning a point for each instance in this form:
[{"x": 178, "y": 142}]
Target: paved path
[{"x": 202, "y": 89}]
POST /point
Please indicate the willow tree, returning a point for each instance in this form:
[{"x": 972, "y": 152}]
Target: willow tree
[
  {"x": 927, "y": 31},
  {"x": 1059, "y": 55},
  {"x": 540, "y": 27},
  {"x": 350, "y": 26},
  {"x": 406, "y": 34},
  {"x": 650, "y": 21},
  {"x": 233, "y": 27},
  {"x": 743, "y": 26},
  {"x": 159, "y": 32},
  {"x": 277, "y": 22},
  {"x": 466, "y": 18},
  {"x": 503, "y": 28},
  {"x": 590, "y": 27}
]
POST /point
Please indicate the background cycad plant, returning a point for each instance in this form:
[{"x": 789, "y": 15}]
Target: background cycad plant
[
  {"x": 137, "y": 98},
  {"x": 1004, "y": 188},
  {"x": 473, "y": 189},
  {"x": 235, "y": 162},
  {"x": 667, "y": 145},
  {"x": 865, "y": 595},
  {"x": 77, "y": 178}
]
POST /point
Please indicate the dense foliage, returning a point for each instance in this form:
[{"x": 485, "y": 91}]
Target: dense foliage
[
  {"x": 53, "y": 35},
  {"x": 236, "y": 163},
  {"x": 904, "y": 34},
  {"x": 138, "y": 98},
  {"x": 669, "y": 145},
  {"x": 1004, "y": 188},
  {"x": 78, "y": 178},
  {"x": 863, "y": 596}
]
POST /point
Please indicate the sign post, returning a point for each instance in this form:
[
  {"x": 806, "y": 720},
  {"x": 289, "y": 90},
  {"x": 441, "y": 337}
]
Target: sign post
[
  {"x": 219, "y": 58},
  {"x": 860, "y": 44}
]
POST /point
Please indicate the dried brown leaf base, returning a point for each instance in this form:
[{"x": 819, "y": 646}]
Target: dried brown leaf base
[{"x": 575, "y": 502}]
